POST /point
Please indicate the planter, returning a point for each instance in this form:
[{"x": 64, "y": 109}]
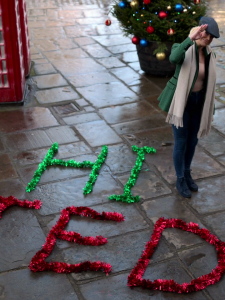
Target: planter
[{"x": 151, "y": 65}]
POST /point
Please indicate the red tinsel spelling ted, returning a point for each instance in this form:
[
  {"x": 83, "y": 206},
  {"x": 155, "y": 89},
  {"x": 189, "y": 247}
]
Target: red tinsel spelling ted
[
  {"x": 135, "y": 277},
  {"x": 12, "y": 201},
  {"x": 38, "y": 264}
]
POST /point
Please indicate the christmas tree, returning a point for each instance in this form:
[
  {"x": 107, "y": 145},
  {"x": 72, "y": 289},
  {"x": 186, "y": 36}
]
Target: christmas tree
[{"x": 158, "y": 20}]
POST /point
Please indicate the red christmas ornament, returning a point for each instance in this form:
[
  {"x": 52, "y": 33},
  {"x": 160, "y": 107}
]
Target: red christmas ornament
[
  {"x": 108, "y": 22},
  {"x": 135, "y": 40},
  {"x": 170, "y": 31},
  {"x": 147, "y": 2},
  {"x": 162, "y": 14},
  {"x": 150, "y": 29},
  {"x": 197, "y": 1}
]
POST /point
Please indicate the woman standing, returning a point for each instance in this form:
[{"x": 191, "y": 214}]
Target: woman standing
[{"x": 189, "y": 98}]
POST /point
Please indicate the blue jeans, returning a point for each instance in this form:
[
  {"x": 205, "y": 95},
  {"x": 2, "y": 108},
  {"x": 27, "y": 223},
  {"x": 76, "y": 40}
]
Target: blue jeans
[{"x": 186, "y": 137}]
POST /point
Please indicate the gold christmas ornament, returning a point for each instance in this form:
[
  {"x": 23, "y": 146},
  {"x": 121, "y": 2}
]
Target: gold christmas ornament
[
  {"x": 185, "y": 10},
  {"x": 134, "y": 4},
  {"x": 193, "y": 12},
  {"x": 161, "y": 56},
  {"x": 169, "y": 7}
]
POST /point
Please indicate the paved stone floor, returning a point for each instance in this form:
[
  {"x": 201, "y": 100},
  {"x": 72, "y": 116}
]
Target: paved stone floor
[{"x": 86, "y": 89}]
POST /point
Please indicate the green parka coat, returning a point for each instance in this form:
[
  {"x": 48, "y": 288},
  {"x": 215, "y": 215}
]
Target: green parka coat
[{"x": 177, "y": 57}]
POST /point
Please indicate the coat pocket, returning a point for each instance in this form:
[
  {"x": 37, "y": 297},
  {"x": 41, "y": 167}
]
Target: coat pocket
[{"x": 166, "y": 96}]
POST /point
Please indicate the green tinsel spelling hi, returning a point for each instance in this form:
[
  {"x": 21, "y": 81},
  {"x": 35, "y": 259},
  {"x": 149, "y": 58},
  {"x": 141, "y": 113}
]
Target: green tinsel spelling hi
[{"x": 49, "y": 161}]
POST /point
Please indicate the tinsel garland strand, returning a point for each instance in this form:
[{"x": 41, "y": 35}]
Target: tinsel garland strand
[
  {"x": 6, "y": 202},
  {"x": 95, "y": 170},
  {"x": 38, "y": 264},
  {"x": 127, "y": 195},
  {"x": 135, "y": 277},
  {"x": 42, "y": 167},
  {"x": 49, "y": 161}
]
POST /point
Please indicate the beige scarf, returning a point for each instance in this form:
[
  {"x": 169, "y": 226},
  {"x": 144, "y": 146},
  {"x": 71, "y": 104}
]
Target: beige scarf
[{"x": 185, "y": 81}]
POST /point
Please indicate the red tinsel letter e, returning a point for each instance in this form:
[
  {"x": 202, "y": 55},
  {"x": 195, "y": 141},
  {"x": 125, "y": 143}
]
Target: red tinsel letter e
[
  {"x": 12, "y": 201},
  {"x": 135, "y": 277},
  {"x": 38, "y": 264}
]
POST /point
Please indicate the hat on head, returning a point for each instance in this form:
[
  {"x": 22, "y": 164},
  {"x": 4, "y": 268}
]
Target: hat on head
[{"x": 212, "y": 27}]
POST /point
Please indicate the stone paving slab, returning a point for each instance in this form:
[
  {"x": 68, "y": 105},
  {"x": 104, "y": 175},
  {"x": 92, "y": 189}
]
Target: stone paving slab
[
  {"x": 87, "y": 21},
  {"x": 214, "y": 143},
  {"x": 201, "y": 260},
  {"x": 42, "y": 69},
  {"x": 84, "y": 118},
  {"x": 40, "y": 61},
  {"x": 96, "y": 50},
  {"x": 13, "y": 187},
  {"x": 26, "y": 119},
  {"x": 84, "y": 41},
  {"x": 89, "y": 109},
  {"x": 66, "y": 54},
  {"x": 33, "y": 50},
  {"x": 171, "y": 207},
  {"x": 121, "y": 253},
  {"x": 47, "y": 33},
  {"x": 112, "y": 40},
  {"x": 102, "y": 95},
  {"x": 49, "y": 81},
  {"x": 65, "y": 43},
  {"x": 219, "y": 120},
  {"x": 127, "y": 112},
  {"x": 121, "y": 48},
  {"x": 130, "y": 56},
  {"x": 23, "y": 284},
  {"x": 75, "y": 31},
  {"x": 81, "y": 80},
  {"x": 156, "y": 120},
  {"x": 36, "y": 56},
  {"x": 210, "y": 196},
  {"x": 62, "y": 135},
  {"x": 21, "y": 237},
  {"x": 90, "y": 132},
  {"x": 64, "y": 152},
  {"x": 147, "y": 186},
  {"x": 56, "y": 95},
  {"x": 6, "y": 168},
  {"x": 45, "y": 45},
  {"x": 115, "y": 287},
  {"x": 57, "y": 196},
  {"x": 27, "y": 140},
  {"x": 71, "y": 67},
  {"x": 145, "y": 88},
  {"x": 82, "y": 102},
  {"x": 111, "y": 62}
]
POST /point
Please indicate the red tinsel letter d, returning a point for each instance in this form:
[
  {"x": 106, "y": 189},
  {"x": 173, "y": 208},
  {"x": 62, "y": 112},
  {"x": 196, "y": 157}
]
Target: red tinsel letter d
[{"x": 135, "y": 277}]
